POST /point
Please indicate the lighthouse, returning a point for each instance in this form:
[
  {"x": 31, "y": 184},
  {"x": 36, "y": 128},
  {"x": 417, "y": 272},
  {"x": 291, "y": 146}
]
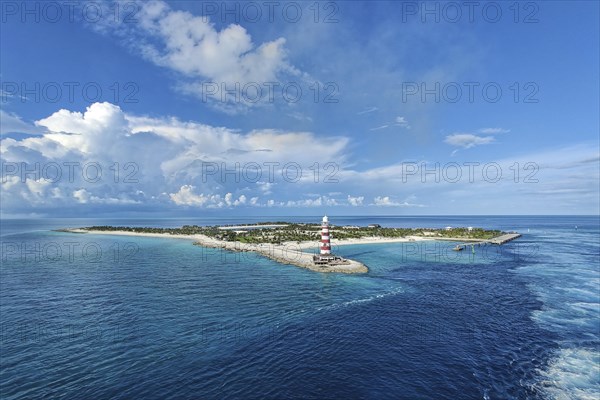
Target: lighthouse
[
  {"x": 325, "y": 238},
  {"x": 325, "y": 258}
]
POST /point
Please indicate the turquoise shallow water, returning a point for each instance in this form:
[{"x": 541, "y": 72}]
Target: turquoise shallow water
[{"x": 95, "y": 316}]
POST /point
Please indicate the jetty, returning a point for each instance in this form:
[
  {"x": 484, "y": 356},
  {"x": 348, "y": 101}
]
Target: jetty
[
  {"x": 504, "y": 238},
  {"x": 500, "y": 240}
]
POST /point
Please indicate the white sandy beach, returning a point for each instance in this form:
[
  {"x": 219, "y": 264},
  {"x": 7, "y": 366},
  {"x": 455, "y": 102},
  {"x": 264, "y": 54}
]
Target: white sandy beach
[{"x": 296, "y": 253}]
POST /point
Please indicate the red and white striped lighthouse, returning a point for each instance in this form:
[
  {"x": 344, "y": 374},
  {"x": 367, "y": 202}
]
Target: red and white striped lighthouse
[{"x": 325, "y": 241}]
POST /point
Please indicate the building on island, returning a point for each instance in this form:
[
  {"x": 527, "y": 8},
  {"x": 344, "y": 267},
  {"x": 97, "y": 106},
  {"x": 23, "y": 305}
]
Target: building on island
[{"x": 325, "y": 257}]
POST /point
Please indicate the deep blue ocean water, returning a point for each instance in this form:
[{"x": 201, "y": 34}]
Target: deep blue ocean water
[{"x": 96, "y": 316}]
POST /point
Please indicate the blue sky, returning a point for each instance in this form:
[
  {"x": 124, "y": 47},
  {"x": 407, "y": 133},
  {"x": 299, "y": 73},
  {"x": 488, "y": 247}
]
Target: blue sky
[{"x": 372, "y": 133}]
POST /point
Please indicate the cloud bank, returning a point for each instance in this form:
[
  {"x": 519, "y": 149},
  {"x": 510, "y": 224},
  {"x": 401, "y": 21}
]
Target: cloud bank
[{"x": 104, "y": 159}]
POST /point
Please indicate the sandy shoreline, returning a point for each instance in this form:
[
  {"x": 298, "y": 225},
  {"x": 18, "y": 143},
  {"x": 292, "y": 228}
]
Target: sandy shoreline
[{"x": 295, "y": 253}]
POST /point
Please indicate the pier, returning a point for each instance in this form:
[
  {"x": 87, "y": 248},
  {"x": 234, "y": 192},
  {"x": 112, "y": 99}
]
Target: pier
[
  {"x": 497, "y": 241},
  {"x": 504, "y": 238}
]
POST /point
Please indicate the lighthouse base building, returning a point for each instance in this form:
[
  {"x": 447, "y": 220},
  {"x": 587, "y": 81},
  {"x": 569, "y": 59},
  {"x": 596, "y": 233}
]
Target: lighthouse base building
[{"x": 325, "y": 257}]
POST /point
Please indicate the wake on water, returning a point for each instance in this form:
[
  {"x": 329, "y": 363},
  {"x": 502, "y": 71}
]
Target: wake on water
[{"x": 359, "y": 301}]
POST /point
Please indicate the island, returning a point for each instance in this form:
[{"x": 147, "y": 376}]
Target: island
[{"x": 306, "y": 245}]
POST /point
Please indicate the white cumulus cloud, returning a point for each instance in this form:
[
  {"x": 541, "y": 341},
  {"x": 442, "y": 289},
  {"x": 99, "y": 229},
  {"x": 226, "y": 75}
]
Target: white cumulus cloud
[
  {"x": 467, "y": 140},
  {"x": 191, "y": 45},
  {"x": 401, "y": 121},
  {"x": 356, "y": 201},
  {"x": 386, "y": 201}
]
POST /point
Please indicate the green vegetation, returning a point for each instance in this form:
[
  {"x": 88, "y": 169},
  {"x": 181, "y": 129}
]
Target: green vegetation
[{"x": 296, "y": 232}]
